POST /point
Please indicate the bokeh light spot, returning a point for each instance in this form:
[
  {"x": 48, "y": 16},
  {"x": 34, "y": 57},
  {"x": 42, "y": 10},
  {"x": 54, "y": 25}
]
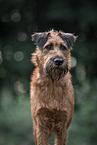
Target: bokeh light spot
[
  {"x": 19, "y": 56},
  {"x": 15, "y": 16},
  {"x": 73, "y": 62},
  {"x": 22, "y": 36},
  {"x": 19, "y": 87}
]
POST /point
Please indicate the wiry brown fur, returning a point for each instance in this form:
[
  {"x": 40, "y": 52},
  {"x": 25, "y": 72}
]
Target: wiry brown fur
[{"x": 52, "y": 99}]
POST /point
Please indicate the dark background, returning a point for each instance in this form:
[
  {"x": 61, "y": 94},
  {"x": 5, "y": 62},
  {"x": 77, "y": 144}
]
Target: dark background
[{"x": 18, "y": 20}]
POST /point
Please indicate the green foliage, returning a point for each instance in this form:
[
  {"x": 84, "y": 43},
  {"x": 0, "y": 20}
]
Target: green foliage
[
  {"x": 15, "y": 121},
  {"x": 83, "y": 128}
]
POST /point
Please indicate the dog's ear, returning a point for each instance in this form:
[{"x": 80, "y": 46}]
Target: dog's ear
[
  {"x": 68, "y": 38},
  {"x": 40, "y": 39}
]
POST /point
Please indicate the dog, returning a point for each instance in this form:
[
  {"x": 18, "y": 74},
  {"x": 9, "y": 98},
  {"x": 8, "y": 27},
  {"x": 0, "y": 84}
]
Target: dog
[{"x": 52, "y": 93}]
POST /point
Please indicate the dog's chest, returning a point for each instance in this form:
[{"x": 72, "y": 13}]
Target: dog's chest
[
  {"x": 52, "y": 118},
  {"x": 52, "y": 97}
]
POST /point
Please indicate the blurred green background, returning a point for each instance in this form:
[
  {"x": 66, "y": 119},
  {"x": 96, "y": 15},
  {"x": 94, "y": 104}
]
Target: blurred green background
[{"x": 18, "y": 20}]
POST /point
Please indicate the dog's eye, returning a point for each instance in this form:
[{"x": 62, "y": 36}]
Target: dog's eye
[
  {"x": 62, "y": 47},
  {"x": 49, "y": 47}
]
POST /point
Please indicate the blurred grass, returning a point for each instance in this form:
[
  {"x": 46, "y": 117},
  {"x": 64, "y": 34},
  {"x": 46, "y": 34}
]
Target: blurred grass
[{"x": 15, "y": 121}]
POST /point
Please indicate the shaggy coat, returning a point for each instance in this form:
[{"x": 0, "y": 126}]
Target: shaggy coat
[{"x": 52, "y": 94}]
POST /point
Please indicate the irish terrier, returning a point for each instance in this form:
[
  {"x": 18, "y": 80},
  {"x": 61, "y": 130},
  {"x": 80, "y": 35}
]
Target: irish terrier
[{"x": 52, "y": 94}]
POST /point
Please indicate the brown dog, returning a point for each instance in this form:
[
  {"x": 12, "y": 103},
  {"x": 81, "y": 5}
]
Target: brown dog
[{"x": 52, "y": 94}]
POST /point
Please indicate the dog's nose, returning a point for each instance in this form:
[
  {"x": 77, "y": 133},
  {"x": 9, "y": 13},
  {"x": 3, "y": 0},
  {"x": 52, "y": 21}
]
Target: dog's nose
[{"x": 58, "y": 61}]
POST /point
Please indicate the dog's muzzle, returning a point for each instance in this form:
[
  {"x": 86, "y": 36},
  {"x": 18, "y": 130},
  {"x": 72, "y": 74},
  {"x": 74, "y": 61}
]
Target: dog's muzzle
[{"x": 56, "y": 68}]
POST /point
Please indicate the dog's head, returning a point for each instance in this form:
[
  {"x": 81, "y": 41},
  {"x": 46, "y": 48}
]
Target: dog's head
[{"x": 53, "y": 52}]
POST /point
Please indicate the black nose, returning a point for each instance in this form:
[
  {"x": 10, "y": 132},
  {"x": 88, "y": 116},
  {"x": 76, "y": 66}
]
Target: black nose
[{"x": 58, "y": 61}]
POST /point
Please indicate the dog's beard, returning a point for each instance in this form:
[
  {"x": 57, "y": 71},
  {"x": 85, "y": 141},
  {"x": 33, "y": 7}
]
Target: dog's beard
[{"x": 56, "y": 73}]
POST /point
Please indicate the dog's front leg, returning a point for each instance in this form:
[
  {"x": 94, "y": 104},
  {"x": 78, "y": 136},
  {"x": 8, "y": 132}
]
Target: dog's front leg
[
  {"x": 61, "y": 137},
  {"x": 41, "y": 135}
]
